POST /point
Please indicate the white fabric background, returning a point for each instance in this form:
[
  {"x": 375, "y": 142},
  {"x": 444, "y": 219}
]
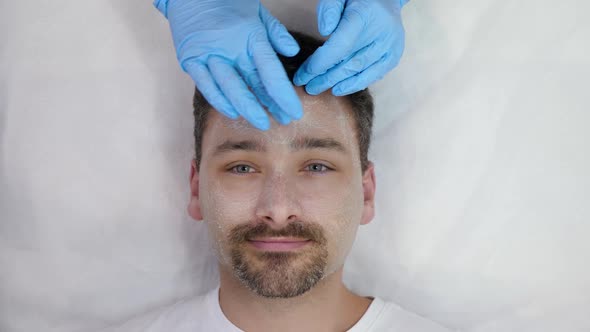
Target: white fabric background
[{"x": 481, "y": 146}]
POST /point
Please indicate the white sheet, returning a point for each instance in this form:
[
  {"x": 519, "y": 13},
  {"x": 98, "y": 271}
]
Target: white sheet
[{"x": 481, "y": 147}]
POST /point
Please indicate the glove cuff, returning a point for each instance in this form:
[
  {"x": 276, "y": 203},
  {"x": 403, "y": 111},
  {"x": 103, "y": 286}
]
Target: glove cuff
[{"x": 162, "y": 6}]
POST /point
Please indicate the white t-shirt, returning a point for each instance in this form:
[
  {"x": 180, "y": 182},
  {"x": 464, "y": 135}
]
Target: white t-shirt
[{"x": 203, "y": 314}]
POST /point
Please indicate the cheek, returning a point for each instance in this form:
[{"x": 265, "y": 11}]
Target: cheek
[
  {"x": 227, "y": 202},
  {"x": 223, "y": 209},
  {"x": 336, "y": 198},
  {"x": 338, "y": 209}
]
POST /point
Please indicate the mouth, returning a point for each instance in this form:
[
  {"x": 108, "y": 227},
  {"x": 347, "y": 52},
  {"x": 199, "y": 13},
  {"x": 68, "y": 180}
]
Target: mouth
[{"x": 279, "y": 244}]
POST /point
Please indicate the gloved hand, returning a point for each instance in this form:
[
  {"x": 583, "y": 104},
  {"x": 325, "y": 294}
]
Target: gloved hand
[
  {"x": 367, "y": 41},
  {"x": 227, "y": 46}
]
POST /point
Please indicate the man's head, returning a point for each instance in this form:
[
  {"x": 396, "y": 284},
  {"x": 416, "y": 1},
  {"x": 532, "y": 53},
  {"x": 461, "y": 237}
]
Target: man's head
[{"x": 309, "y": 181}]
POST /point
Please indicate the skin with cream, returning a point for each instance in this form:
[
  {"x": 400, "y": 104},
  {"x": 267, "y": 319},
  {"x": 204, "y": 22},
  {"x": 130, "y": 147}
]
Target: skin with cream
[{"x": 282, "y": 208}]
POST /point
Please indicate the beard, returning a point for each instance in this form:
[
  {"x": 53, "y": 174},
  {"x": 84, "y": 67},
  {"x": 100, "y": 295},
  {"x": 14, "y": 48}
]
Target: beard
[{"x": 279, "y": 274}]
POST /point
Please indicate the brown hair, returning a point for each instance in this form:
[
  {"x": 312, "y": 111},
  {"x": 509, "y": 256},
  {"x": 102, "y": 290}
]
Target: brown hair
[{"x": 361, "y": 102}]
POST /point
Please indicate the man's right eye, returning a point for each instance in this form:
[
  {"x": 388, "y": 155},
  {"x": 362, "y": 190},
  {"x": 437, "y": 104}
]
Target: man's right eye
[{"x": 242, "y": 169}]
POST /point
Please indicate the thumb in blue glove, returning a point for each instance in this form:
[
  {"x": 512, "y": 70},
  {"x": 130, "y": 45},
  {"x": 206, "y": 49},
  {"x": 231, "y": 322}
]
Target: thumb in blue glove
[
  {"x": 229, "y": 47},
  {"x": 367, "y": 41}
]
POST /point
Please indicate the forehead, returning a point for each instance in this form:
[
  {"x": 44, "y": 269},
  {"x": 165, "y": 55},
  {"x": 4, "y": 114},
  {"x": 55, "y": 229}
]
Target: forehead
[{"x": 324, "y": 116}]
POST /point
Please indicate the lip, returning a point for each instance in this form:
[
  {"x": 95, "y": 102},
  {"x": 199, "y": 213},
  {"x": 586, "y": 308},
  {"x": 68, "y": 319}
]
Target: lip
[
  {"x": 279, "y": 239},
  {"x": 279, "y": 244}
]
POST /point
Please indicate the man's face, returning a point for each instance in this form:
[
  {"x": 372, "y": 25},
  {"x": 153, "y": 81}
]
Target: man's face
[{"x": 258, "y": 190}]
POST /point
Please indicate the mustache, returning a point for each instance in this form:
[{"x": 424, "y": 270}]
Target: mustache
[{"x": 298, "y": 229}]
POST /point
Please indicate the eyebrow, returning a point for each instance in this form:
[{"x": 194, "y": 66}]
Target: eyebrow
[
  {"x": 245, "y": 145},
  {"x": 309, "y": 143},
  {"x": 305, "y": 143}
]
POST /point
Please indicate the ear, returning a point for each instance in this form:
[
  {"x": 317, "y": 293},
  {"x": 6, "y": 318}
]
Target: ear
[
  {"x": 194, "y": 205},
  {"x": 369, "y": 194}
]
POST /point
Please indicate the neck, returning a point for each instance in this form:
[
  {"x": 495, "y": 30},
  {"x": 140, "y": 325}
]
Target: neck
[{"x": 329, "y": 306}]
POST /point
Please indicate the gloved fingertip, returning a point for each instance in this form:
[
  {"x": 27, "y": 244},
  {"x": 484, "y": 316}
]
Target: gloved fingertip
[
  {"x": 302, "y": 77},
  {"x": 313, "y": 90},
  {"x": 297, "y": 112},
  {"x": 337, "y": 91},
  {"x": 329, "y": 19},
  {"x": 325, "y": 31},
  {"x": 229, "y": 112},
  {"x": 289, "y": 46},
  {"x": 233, "y": 114},
  {"x": 280, "y": 116},
  {"x": 297, "y": 79},
  {"x": 285, "y": 121},
  {"x": 340, "y": 91},
  {"x": 292, "y": 107},
  {"x": 262, "y": 123},
  {"x": 343, "y": 89}
]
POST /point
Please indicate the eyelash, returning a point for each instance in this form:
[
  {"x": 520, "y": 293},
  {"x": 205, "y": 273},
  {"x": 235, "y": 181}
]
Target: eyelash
[
  {"x": 327, "y": 169},
  {"x": 232, "y": 170}
]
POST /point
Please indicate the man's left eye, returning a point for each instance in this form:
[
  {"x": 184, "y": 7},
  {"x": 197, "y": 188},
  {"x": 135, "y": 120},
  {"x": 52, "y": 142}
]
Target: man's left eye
[
  {"x": 241, "y": 169},
  {"x": 317, "y": 168}
]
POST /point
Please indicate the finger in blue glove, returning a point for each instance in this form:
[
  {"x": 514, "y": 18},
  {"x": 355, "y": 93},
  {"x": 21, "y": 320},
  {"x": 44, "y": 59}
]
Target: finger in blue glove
[
  {"x": 370, "y": 74},
  {"x": 229, "y": 50},
  {"x": 207, "y": 86},
  {"x": 329, "y": 14},
  {"x": 367, "y": 42},
  {"x": 248, "y": 72}
]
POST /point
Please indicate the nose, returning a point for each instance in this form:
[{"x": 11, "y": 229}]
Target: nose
[{"x": 277, "y": 204}]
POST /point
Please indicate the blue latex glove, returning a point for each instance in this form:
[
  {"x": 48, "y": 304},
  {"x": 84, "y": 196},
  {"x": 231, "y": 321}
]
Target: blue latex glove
[
  {"x": 367, "y": 41},
  {"x": 227, "y": 46}
]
